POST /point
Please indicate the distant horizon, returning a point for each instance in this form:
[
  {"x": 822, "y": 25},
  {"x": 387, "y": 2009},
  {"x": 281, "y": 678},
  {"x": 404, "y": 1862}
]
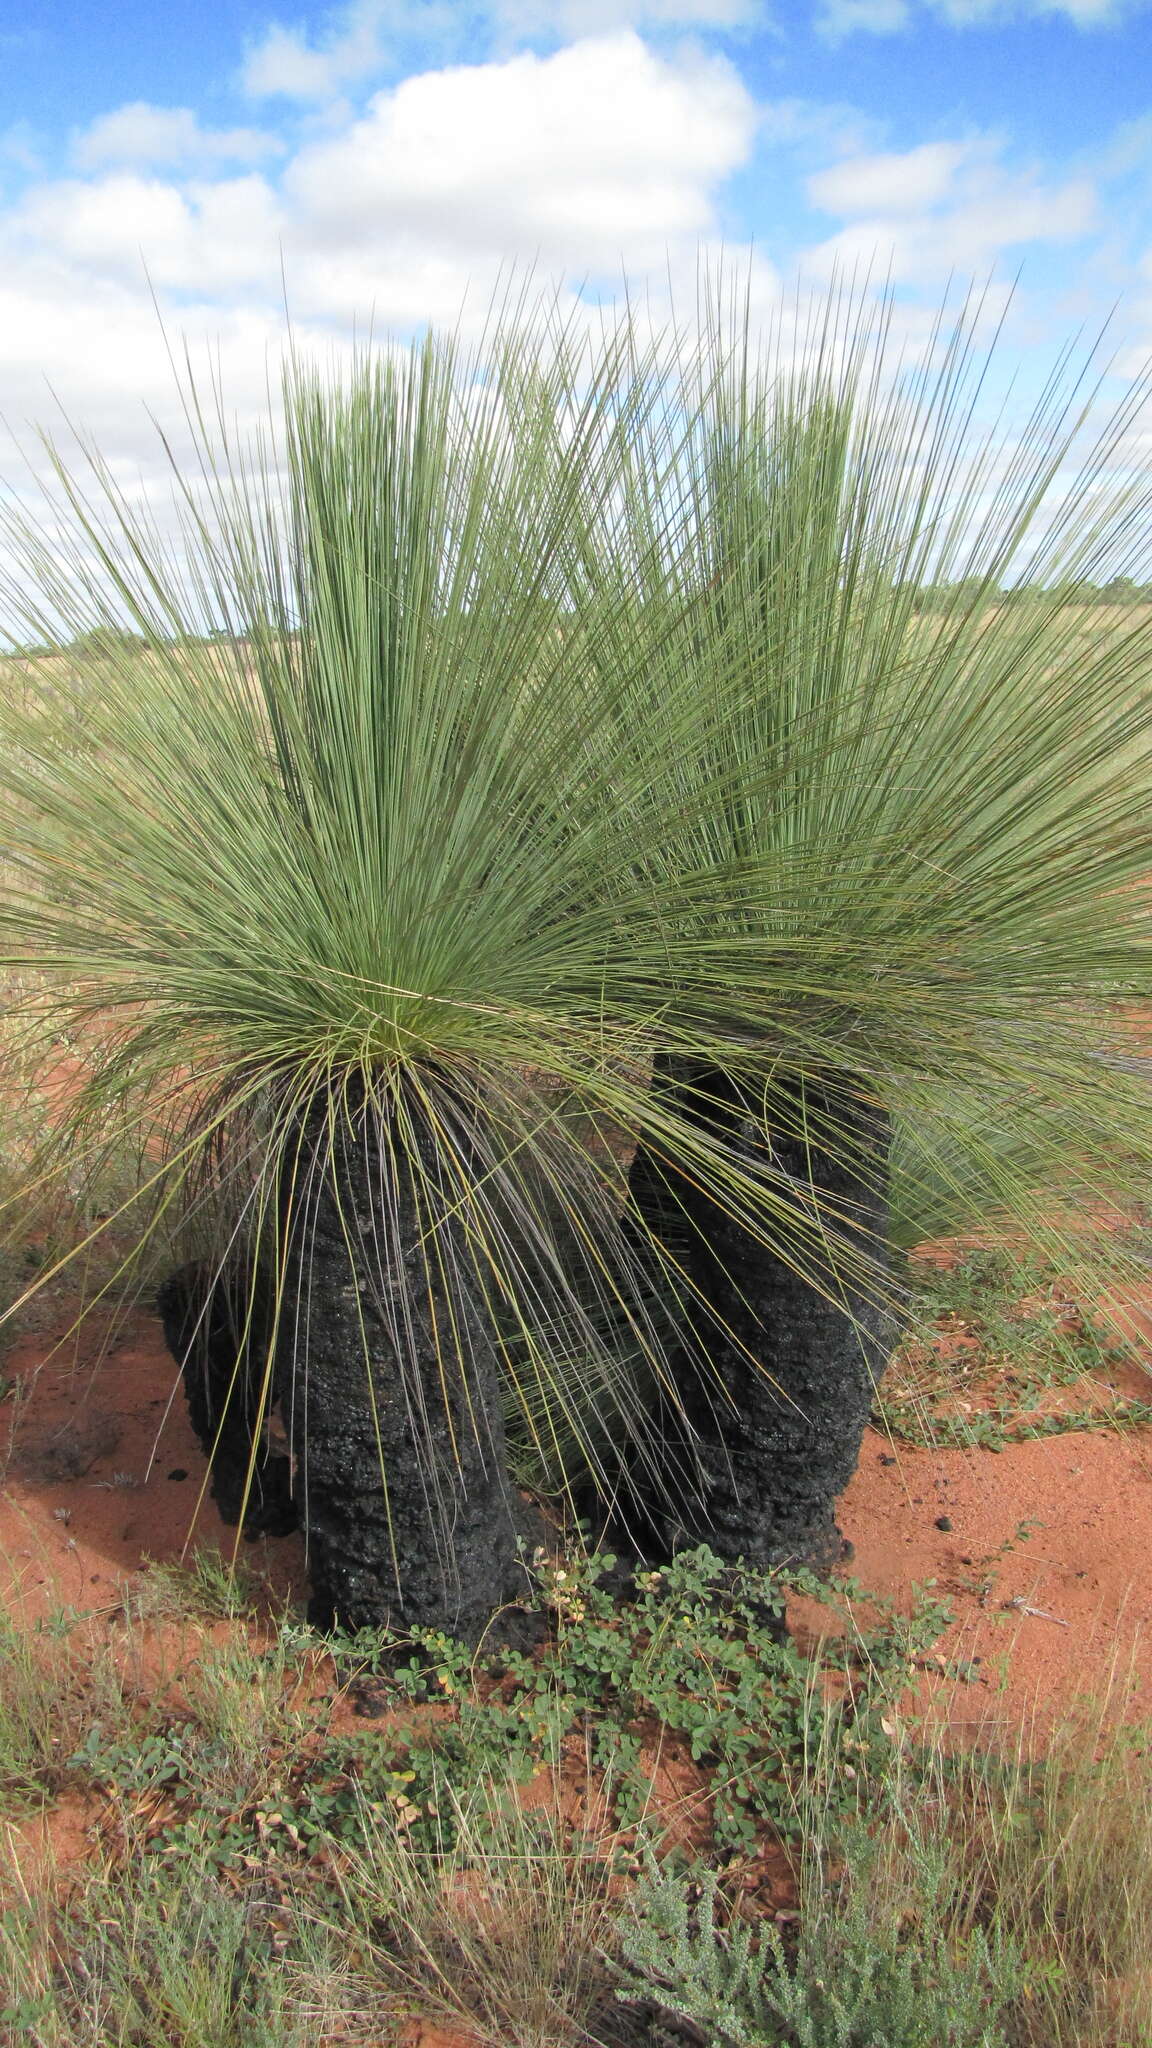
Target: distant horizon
[{"x": 1118, "y": 591}]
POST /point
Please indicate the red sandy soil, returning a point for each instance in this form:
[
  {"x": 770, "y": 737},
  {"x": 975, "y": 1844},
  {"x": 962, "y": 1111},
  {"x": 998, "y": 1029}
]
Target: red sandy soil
[
  {"x": 1041, "y": 1618},
  {"x": 99, "y": 1472},
  {"x": 103, "y": 1473}
]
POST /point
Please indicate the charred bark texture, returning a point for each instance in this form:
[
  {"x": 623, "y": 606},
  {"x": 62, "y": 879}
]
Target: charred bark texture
[
  {"x": 217, "y": 1325},
  {"x": 389, "y": 1382},
  {"x": 778, "y": 1414}
]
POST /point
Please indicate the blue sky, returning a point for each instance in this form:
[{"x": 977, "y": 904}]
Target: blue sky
[{"x": 388, "y": 154}]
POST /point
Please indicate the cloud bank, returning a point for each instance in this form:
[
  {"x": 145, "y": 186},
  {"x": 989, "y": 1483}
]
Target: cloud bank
[{"x": 613, "y": 154}]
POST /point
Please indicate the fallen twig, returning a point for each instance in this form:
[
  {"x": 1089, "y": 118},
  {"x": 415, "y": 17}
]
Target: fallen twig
[{"x": 1037, "y": 1613}]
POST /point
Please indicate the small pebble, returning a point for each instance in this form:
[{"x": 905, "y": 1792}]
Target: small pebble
[
  {"x": 943, "y": 1522},
  {"x": 178, "y": 1472},
  {"x": 886, "y": 1458}
]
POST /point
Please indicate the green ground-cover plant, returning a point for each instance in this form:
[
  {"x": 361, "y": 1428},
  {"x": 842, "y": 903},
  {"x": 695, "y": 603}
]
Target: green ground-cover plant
[
  {"x": 696, "y": 1660},
  {"x": 994, "y": 1898},
  {"x": 519, "y": 727},
  {"x": 882, "y": 1955}
]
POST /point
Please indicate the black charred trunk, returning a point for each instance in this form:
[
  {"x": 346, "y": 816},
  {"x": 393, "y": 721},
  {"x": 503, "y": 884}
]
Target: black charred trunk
[
  {"x": 389, "y": 1384},
  {"x": 778, "y": 1372},
  {"x": 217, "y": 1324}
]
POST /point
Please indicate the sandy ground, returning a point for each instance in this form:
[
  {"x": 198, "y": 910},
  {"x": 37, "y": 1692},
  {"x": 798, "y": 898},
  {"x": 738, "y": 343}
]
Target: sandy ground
[
  {"x": 1041, "y": 1549},
  {"x": 1041, "y": 1557},
  {"x": 101, "y": 1473}
]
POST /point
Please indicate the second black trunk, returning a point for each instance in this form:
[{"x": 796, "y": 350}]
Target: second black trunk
[
  {"x": 217, "y": 1323},
  {"x": 790, "y": 1358}
]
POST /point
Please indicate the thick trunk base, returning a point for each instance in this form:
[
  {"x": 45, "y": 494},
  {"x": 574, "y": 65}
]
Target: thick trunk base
[
  {"x": 778, "y": 1414},
  {"x": 389, "y": 1382}
]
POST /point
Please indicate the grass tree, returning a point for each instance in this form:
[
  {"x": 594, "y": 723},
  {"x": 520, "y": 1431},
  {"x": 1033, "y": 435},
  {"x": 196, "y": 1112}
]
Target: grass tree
[
  {"x": 342, "y": 866},
  {"x": 935, "y": 845}
]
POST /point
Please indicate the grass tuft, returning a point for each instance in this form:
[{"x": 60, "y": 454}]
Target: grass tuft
[{"x": 1002, "y": 1346}]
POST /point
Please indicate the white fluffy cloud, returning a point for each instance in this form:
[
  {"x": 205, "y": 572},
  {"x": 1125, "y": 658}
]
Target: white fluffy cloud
[
  {"x": 889, "y": 184},
  {"x": 90, "y": 353},
  {"x": 608, "y": 155},
  {"x": 205, "y": 238},
  {"x": 944, "y": 207},
  {"x": 285, "y": 63},
  {"x": 600, "y": 153},
  {"x": 143, "y": 134}
]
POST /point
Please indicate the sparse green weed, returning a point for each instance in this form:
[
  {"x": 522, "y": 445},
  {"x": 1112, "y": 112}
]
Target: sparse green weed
[
  {"x": 695, "y": 1666},
  {"x": 991, "y": 1340},
  {"x": 1059, "y": 1848},
  {"x": 209, "y": 1587},
  {"x": 133, "y": 1966},
  {"x": 275, "y": 1883},
  {"x": 502, "y": 1927},
  {"x": 41, "y": 1701},
  {"x": 698, "y": 1657}
]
